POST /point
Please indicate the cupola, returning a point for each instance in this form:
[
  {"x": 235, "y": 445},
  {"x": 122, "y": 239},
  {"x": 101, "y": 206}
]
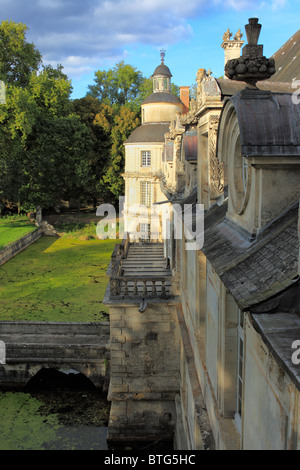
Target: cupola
[{"x": 162, "y": 76}]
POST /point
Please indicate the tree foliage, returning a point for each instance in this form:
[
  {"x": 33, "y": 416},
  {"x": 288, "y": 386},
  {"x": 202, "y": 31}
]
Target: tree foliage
[
  {"x": 42, "y": 145},
  {"x": 121, "y": 91},
  {"x": 117, "y": 86},
  {"x": 124, "y": 122},
  {"x": 18, "y": 58},
  {"x": 53, "y": 148}
]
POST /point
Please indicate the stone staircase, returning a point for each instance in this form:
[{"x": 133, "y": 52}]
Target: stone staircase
[{"x": 143, "y": 273}]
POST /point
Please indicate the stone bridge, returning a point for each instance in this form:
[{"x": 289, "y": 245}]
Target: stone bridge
[{"x": 32, "y": 346}]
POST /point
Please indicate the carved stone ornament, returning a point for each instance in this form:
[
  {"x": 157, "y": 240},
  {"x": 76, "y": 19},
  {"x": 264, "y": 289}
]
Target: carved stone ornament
[
  {"x": 238, "y": 36},
  {"x": 252, "y": 66},
  {"x": 201, "y": 74},
  {"x": 189, "y": 118},
  {"x": 216, "y": 168},
  {"x": 227, "y": 35}
]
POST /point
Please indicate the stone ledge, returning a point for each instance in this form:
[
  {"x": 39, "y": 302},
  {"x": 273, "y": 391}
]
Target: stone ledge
[{"x": 12, "y": 250}]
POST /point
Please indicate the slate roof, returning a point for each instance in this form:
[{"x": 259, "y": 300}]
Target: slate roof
[
  {"x": 279, "y": 331},
  {"x": 269, "y": 123},
  {"x": 231, "y": 87},
  {"x": 287, "y": 60},
  {"x": 162, "y": 97},
  {"x": 162, "y": 69},
  {"x": 152, "y": 132},
  {"x": 253, "y": 271}
]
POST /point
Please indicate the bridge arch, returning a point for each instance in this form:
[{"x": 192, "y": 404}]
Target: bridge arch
[{"x": 47, "y": 378}]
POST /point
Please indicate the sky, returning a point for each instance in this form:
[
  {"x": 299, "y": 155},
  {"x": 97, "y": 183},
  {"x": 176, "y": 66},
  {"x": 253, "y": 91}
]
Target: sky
[{"x": 89, "y": 35}]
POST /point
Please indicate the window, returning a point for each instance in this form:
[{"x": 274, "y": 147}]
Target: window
[
  {"x": 146, "y": 158},
  {"x": 240, "y": 367},
  {"x": 146, "y": 193},
  {"x": 145, "y": 231}
]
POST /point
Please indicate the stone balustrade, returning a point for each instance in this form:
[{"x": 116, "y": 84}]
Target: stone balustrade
[
  {"x": 146, "y": 287},
  {"x": 144, "y": 281}
]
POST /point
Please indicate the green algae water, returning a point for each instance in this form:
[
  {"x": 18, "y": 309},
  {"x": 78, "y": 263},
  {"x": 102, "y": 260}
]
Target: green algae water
[
  {"x": 26, "y": 424},
  {"x": 54, "y": 413},
  {"x": 56, "y": 279}
]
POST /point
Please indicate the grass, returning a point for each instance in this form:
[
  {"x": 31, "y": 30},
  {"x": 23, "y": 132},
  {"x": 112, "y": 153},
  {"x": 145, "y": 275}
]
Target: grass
[
  {"x": 57, "y": 279},
  {"x": 13, "y": 228}
]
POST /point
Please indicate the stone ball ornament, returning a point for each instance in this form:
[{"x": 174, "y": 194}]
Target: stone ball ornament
[
  {"x": 252, "y": 66},
  {"x": 242, "y": 69}
]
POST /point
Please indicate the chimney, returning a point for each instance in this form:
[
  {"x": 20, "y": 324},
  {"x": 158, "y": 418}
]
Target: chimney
[
  {"x": 232, "y": 47},
  {"x": 185, "y": 98}
]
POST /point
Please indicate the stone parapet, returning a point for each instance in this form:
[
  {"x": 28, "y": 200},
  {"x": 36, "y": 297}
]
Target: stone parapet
[{"x": 20, "y": 245}]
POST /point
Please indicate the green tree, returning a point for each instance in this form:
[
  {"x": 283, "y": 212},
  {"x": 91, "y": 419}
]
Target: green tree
[
  {"x": 117, "y": 86},
  {"x": 121, "y": 124},
  {"x": 92, "y": 115},
  {"x": 43, "y": 147},
  {"x": 51, "y": 89},
  {"x": 121, "y": 91},
  {"x": 18, "y": 58},
  {"x": 54, "y": 166}
]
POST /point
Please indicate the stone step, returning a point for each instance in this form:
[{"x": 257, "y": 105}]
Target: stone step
[
  {"x": 157, "y": 263},
  {"x": 145, "y": 248}
]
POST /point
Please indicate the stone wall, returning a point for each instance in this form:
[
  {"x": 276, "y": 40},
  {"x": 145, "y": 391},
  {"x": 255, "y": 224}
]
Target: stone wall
[
  {"x": 271, "y": 398},
  {"x": 144, "y": 372},
  {"x": 13, "y": 249},
  {"x": 31, "y": 346}
]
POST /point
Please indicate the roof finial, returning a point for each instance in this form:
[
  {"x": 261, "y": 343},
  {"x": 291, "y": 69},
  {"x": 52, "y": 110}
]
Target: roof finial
[
  {"x": 252, "y": 66},
  {"x": 162, "y": 55}
]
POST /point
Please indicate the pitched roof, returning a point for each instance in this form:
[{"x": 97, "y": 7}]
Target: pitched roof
[
  {"x": 231, "y": 87},
  {"x": 287, "y": 60},
  {"x": 279, "y": 331},
  {"x": 253, "y": 271},
  {"x": 151, "y": 132},
  {"x": 269, "y": 123},
  {"x": 162, "y": 97}
]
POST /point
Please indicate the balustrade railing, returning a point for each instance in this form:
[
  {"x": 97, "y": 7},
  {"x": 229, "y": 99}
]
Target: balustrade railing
[{"x": 138, "y": 286}]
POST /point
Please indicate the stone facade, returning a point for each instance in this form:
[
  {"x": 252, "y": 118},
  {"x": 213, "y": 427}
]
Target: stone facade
[
  {"x": 145, "y": 152},
  {"x": 144, "y": 372},
  {"x": 237, "y": 302}
]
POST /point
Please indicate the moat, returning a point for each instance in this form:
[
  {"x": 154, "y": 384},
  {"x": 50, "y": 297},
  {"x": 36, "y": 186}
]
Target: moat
[
  {"x": 59, "y": 410},
  {"x": 55, "y": 411}
]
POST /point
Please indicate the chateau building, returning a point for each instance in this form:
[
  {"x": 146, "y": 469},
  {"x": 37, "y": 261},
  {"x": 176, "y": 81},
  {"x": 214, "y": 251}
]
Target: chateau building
[
  {"x": 144, "y": 152},
  {"x": 205, "y": 342}
]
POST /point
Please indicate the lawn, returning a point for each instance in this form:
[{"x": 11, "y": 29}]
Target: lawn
[
  {"x": 13, "y": 228},
  {"x": 56, "y": 279}
]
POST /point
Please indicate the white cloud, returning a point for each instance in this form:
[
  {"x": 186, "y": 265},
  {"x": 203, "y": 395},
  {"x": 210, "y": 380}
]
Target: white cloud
[
  {"x": 237, "y": 5},
  {"x": 79, "y": 34},
  {"x": 278, "y": 4}
]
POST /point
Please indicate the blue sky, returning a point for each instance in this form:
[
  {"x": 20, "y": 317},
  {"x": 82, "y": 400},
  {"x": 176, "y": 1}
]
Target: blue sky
[{"x": 89, "y": 35}]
